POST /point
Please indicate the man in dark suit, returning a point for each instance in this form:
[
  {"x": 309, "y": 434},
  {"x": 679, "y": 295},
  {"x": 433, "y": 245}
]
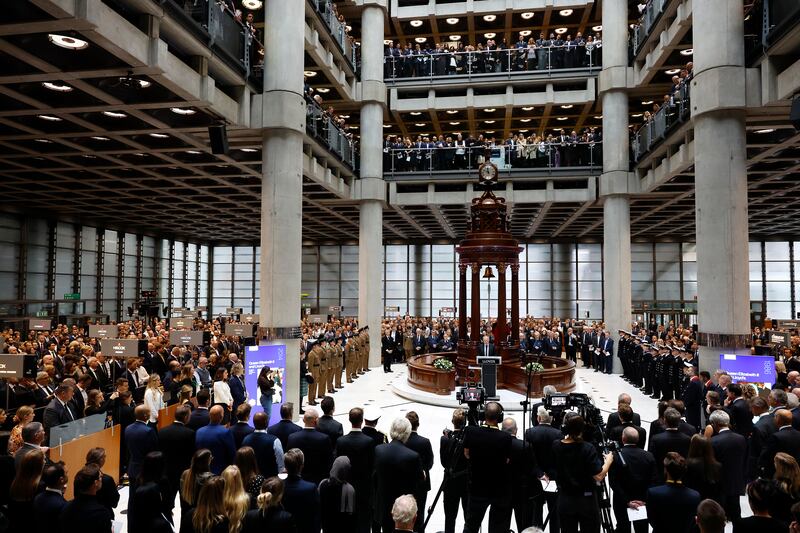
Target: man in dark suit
[
  {"x": 285, "y": 426},
  {"x": 241, "y": 428},
  {"x": 632, "y": 473},
  {"x": 326, "y": 423},
  {"x": 693, "y": 398},
  {"x": 85, "y": 509},
  {"x": 739, "y": 411},
  {"x": 613, "y": 418},
  {"x": 80, "y": 395},
  {"x": 371, "y": 417},
  {"x": 606, "y": 346},
  {"x": 524, "y": 477},
  {"x": 422, "y": 446},
  {"x": 268, "y": 448},
  {"x": 199, "y": 417},
  {"x": 216, "y": 438},
  {"x": 316, "y": 447},
  {"x": 47, "y": 505},
  {"x": 730, "y": 449},
  {"x": 140, "y": 439},
  {"x": 486, "y": 348},
  {"x": 541, "y": 438},
  {"x": 398, "y": 471},
  {"x": 626, "y": 418},
  {"x": 33, "y": 435},
  {"x": 786, "y": 439},
  {"x": 670, "y": 440},
  {"x": 360, "y": 449},
  {"x": 671, "y": 507},
  {"x": 420, "y": 342},
  {"x": 300, "y": 497},
  {"x": 176, "y": 442},
  {"x": 388, "y": 348},
  {"x": 571, "y": 345},
  {"x": 58, "y": 411}
]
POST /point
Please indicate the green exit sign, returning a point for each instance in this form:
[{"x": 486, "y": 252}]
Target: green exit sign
[{"x": 72, "y": 296}]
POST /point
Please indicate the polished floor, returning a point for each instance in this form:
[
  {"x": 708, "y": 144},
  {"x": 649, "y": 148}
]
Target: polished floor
[{"x": 377, "y": 389}]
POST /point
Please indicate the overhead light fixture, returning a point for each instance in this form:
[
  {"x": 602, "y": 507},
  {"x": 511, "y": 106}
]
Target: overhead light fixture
[
  {"x": 452, "y": 21},
  {"x": 455, "y": 37},
  {"x": 489, "y": 110},
  {"x": 311, "y": 73},
  {"x": 562, "y": 118},
  {"x": 114, "y": 114},
  {"x": 451, "y": 111},
  {"x": 348, "y": 28},
  {"x": 455, "y": 123},
  {"x": 636, "y": 115},
  {"x": 44, "y": 141},
  {"x": 252, "y": 4},
  {"x": 50, "y": 118},
  {"x": 527, "y": 15},
  {"x": 525, "y": 33},
  {"x": 416, "y": 23},
  {"x": 687, "y": 52},
  {"x": 523, "y": 131},
  {"x": 488, "y": 121},
  {"x": 529, "y": 108},
  {"x": 489, "y": 18},
  {"x": 248, "y": 149},
  {"x": 566, "y": 106},
  {"x": 420, "y": 40},
  {"x": 599, "y": 27},
  {"x": 133, "y": 83},
  {"x": 561, "y": 31},
  {"x": 344, "y": 116},
  {"x": 647, "y": 102},
  {"x": 323, "y": 90},
  {"x": 672, "y": 71},
  {"x": 56, "y": 87},
  {"x": 89, "y": 156},
  {"x": 387, "y": 125},
  {"x": 388, "y": 42},
  {"x": 419, "y": 124},
  {"x": 193, "y": 152},
  {"x": 415, "y": 113},
  {"x": 768, "y": 130},
  {"x": 489, "y": 131},
  {"x": 182, "y": 111},
  {"x": 159, "y": 135},
  {"x": 65, "y": 41},
  {"x": 598, "y": 117},
  {"x": 524, "y": 120},
  {"x": 565, "y": 12},
  {"x": 99, "y": 138},
  {"x": 490, "y": 35}
]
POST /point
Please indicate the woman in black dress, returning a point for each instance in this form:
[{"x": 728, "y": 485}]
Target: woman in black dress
[
  {"x": 270, "y": 515},
  {"x": 337, "y": 499}
]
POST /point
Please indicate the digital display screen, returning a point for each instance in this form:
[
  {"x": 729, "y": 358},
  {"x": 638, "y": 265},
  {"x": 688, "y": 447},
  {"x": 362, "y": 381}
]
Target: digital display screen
[
  {"x": 256, "y": 358},
  {"x": 755, "y": 369}
]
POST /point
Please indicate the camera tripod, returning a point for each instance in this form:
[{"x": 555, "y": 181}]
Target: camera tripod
[{"x": 456, "y": 452}]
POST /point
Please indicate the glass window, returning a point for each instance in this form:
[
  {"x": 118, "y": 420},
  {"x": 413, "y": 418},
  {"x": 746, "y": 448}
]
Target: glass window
[
  {"x": 777, "y": 271},
  {"x": 539, "y": 271},
  {"x": 754, "y": 250},
  {"x": 539, "y": 252},
  {"x": 590, "y": 252},
  {"x": 396, "y": 253},
  {"x": 668, "y": 252},
  {"x": 756, "y": 291},
  {"x": 776, "y": 251},
  {"x": 779, "y": 290},
  {"x": 779, "y": 310}
]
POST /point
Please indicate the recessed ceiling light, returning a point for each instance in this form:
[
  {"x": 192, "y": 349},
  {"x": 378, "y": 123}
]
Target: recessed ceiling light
[
  {"x": 489, "y": 18},
  {"x": 566, "y": 106},
  {"x": 51, "y": 118},
  {"x": 451, "y": 111},
  {"x": 248, "y": 149},
  {"x": 89, "y": 156},
  {"x": 565, "y": 12},
  {"x": 311, "y": 73},
  {"x": 420, "y": 40},
  {"x": 647, "y": 102},
  {"x": 525, "y": 33},
  {"x": 455, "y": 123},
  {"x": 415, "y": 113},
  {"x": 527, "y": 15},
  {"x": 344, "y": 116},
  {"x": 768, "y": 130},
  {"x": 489, "y": 110},
  {"x": 561, "y": 31},
  {"x": 323, "y": 90},
  {"x": 70, "y": 43},
  {"x": 598, "y": 117},
  {"x": 523, "y": 131},
  {"x": 488, "y": 121},
  {"x": 636, "y": 115},
  {"x": 416, "y": 23},
  {"x": 562, "y": 118},
  {"x": 114, "y": 114},
  {"x": 252, "y": 4},
  {"x": 599, "y": 27},
  {"x": 529, "y": 108},
  {"x": 452, "y": 21},
  {"x": 56, "y": 87},
  {"x": 490, "y": 35},
  {"x": 193, "y": 152},
  {"x": 687, "y": 52},
  {"x": 632, "y": 26},
  {"x": 144, "y": 84},
  {"x": 159, "y": 135},
  {"x": 387, "y": 42},
  {"x": 419, "y": 124},
  {"x": 672, "y": 71},
  {"x": 99, "y": 138},
  {"x": 524, "y": 120},
  {"x": 44, "y": 141},
  {"x": 387, "y": 125},
  {"x": 490, "y": 131},
  {"x": 182, "y": 111},
  {"x": 455, "y": 37}
]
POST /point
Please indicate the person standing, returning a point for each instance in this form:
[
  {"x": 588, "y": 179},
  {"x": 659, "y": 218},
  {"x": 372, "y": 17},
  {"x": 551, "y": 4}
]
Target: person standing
[
  {"x": 140, "y": 439},
  {"x": 360, "y": 449},
  {"x": 153, "y": 399},
  {"x": 266, "y": 391},
  {"x": 85, "y": 509},
  {"x": 672, "y": 506},
  {"x": 316, "y": 447},
  {"x": 327, "y": 424},
  {"x": 398, "y": 471},
  {"x": 632, "y": 474},
  {"x": 176, "y": 442},
  {"x": 524, "y": 477},
  {"x": 216, "y": 438},
  {"x": 730, "y": 449},
  {"x": 388, "y": 348},
  {"x": 422, "y": 446},
  {"x": 267, "y": 447}
]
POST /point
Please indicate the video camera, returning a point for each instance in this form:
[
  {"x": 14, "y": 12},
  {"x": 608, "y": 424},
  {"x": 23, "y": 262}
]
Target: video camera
[
  {"x": 474, "y": 395},
  {"x": 581, "y": 403}
]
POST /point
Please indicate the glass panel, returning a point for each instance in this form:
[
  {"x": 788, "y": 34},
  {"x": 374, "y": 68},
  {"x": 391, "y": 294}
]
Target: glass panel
[
  {"x": 778, "y": 271},
  {"x": 776, "y": 251},
  {"x": 689, "y": 290},
  {"x": 667, "y": 272},
  {"x": 89, "y": 238},
  {"x": 668, "y": 252},
  {"x": 668, "y": 290},
  {"x": 539, "y": 252},
  {"x": 689, "y": 251},
  {"x": 445, "y": 271},
  {"x": 779, "y": 290},
  {"x": 754, "y": 250},
  {"x": 396, "y": 253},
  {"x": 590, "y": 271},
  {"x": 756, "y": 291},
  {"x": 539, "y": 308},
  {"x": 539, "y": 271},
  {"x": 641, "y": 290},
  {"x": 642, "y": 271},
  {"x": 781, "y": 310},
  {"x": 641, "y": 252},
  {"x": 590, "y": 252}
]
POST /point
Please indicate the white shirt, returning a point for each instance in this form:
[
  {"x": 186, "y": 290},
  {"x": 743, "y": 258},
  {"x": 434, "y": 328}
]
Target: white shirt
[
  {"x": 222, "y": 393},
  {"x": 154, "y": 401}
]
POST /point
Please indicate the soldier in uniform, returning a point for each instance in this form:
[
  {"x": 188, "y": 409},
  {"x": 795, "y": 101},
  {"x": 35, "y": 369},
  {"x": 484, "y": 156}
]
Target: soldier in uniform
[
  {"x": 350, "y": 359},
  {"x": 338, "y": 361},
  {"x": 365, "y": 351},
  {"x": 666, "y": 375},
  {"x": 331, "y": 355},
  {"x": 313, "y": 360},
  {"x": 322, "y": 386}
]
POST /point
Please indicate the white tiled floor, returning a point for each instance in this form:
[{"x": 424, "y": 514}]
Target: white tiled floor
[{"x": 376, "y": 389}]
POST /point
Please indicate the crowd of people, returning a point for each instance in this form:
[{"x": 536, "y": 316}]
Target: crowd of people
[
  {"x": 558, "y": 51},
  {"x": 330, "y": 127},
  {"x": 455, "y": 152}
]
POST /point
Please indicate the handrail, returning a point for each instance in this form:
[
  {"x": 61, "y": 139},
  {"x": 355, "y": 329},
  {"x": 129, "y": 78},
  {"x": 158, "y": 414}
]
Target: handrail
[
  {"x": 650, "y": 15},
  {"x": 399, "y": 64},
  {"x": 668, "y": 117},
  {"x": 324, "y": 129},
  {"x": 336, "y": 29}
]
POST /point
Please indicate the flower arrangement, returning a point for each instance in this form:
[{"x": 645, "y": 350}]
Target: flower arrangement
[
  {"x": 534, "y": 367},
  {"x": 443, "y": 363}
]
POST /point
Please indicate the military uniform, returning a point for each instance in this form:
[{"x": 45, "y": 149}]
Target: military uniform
[
  {"x": 322, "y": 389},
  {"x": 338, "y": 363},
  {"x": 350, "y": 359},
  {"x": 314, "y": 357}
]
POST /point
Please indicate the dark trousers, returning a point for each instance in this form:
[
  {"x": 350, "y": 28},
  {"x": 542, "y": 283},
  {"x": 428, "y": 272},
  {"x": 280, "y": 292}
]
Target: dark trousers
[
  {"x": 387, "y": 362},
  {"x": 522, "y": 503},
  {"x": 499, "y": 514},
  {"x": 572, "y": 354},
  {"x": 579, "y": 513},
  {"x": 551, "y": 498},
  {"x": 454, "y": 493},
  {"x": 732, "y": 506},
  {"x": 623, "y": 524},
  {"x": 419, "y": 523}
]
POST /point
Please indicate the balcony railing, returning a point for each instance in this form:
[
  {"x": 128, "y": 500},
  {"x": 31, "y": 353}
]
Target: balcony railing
[
  {"x": 222, "y": 30},
  {"x": 536, "y": 156},
  {"x": 337, "y": 29},
  {"x": 473, "y": 63},
  {"x": 650, "y": 15},
  {"x": 323, "y": 128},
  {"x": 662, "y": 122}
]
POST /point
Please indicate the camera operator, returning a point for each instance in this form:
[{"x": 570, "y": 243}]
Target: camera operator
[
  {"x": 547, "y": 391},
  {"x": 541, "y": 439},
  {"x": 578, "y": 470},
  {"x": 633, "y": 472},
  {"x": 489, "y": 451},
  {"x": 455, "y": 465}
]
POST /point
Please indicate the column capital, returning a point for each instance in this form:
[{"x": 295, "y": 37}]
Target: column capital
[
  {"x": 369, "y": 189},
  {"x": 618, "y": 182},
  {"x": 382, "y": 4},
  {"x": 278, "y": 110},
  {"x": 462, "y": 268},
  {"x": 371, "y": 91},
  {"x": 614, "y": 79},
  {"x": 722, "y": 88}
]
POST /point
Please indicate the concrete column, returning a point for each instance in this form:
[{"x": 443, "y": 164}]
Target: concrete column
[
  {"x": 718, "y": 101},
  {"x": 372, "y": 187},
  {"x": 283, "y": 111},
  {"x": 615, "y": 182}
]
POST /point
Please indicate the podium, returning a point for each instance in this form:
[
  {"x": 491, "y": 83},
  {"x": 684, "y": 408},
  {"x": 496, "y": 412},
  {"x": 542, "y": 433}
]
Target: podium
[{"x": 489, "y": 364}]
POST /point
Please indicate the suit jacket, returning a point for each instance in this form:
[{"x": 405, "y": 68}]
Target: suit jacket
[
  {"x": 237, "y": 392},
  {"x": 282, "y": 430},
  {"x": 47, "y": 507},
  {"x": 263, "y": 445},
  {"x": 665, "y": 442},
  {"x": 176, "y": 442},
  {"x": 541, "y": 438},
  {"x": 240, "y": 430},
  {"x": 632, "y": 473},
  {"x": 787, "y": 440},
  {"x": 140, "y": 440},
  {"x": 613, "y": 421},
  {"x": 301, "y": 500},
  {"x": 99, "y": 378},
  {"x": 360, "y": 449},
  {"x": 375, "y": 435},
  {"x": 76, "y": 404},
  {"x": 693, "y": 400},
  {"x": 730, "y": 449},
  {"x": 88, "y": 512},
  {"x": 56, "y": 414},
  {"x": 318, "y": 451},
  {"x": 616, "y": 433},
  {"x": 422, "y": 446},
  {"x": 198, "y": 419},
  {"x": 671, "y": 508},
  {"x": 741, "y": 417},
  {"x": 484, "y": 352},
  {"x": 398, "y": 471},
  {"x": 216, "y": 438},
  {"x": 330, "y": 427},
  {"x": 523, "y": 470}
]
